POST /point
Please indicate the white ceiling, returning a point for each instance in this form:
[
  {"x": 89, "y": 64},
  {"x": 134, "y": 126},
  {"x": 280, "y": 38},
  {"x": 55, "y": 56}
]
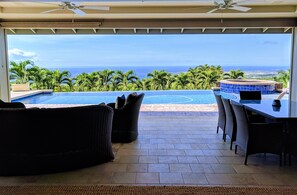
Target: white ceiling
[{"x": 11, "y": 10}]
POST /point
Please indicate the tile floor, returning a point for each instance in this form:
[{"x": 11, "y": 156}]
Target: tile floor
[{"x": 175, "y": 148}]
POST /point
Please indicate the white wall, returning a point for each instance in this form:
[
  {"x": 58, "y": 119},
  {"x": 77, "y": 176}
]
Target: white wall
[
  {"x": 4, "y": 77},
  {"x": 293, "y": 80}
]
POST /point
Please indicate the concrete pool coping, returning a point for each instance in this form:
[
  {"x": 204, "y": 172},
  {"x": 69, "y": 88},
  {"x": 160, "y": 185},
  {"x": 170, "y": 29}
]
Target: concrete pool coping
[
  {"x": 22, "y": 94},
  {"x": 247, "y": 82},
  {"x": 147, "y": 107}
]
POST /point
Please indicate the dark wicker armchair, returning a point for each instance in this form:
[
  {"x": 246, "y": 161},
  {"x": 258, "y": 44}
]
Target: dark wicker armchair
[
  {"x": 125, "y": 121},
  {"x": 39, "y": 141},
  {"x": 222, "y": 115},
  {"x": 255, "y": 138},
  {"x": 230, "y": 128},
  {"x": 11, "y": 104}
]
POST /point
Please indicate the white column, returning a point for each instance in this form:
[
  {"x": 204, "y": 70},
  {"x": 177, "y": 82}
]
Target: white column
[{"x": 4, "y": 68}]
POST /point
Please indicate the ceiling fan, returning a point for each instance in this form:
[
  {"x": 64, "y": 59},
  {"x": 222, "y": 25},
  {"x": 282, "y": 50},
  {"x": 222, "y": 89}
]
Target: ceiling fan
[
  {"x": 228, "y": 4},
  {"x": 76, "y": 8}
]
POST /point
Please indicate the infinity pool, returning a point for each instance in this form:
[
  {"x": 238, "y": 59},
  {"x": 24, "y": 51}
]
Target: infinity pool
[{"x": 151, "y": 97}]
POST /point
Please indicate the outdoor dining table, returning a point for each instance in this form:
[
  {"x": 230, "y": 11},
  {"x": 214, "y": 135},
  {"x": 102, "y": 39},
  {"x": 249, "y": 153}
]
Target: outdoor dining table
[{"x": 286, "y": 112}]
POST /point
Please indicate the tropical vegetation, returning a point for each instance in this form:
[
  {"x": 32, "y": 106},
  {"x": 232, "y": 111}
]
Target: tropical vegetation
[{"x": 199, "y": 77}]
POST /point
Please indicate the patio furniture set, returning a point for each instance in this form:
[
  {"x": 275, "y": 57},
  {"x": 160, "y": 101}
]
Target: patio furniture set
[
  {"x": 255, "y": 125},
  {"x": 47, "y": 140}
]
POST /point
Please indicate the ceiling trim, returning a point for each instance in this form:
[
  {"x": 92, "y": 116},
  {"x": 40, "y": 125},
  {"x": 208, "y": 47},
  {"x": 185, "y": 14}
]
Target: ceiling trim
[
  {"x": 153, "y": 23},
  {"x": 151, "y": 26}
]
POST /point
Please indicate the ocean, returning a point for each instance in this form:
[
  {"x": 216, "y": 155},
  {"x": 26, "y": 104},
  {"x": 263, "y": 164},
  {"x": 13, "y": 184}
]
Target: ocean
[{"x": 142, "y": 71}]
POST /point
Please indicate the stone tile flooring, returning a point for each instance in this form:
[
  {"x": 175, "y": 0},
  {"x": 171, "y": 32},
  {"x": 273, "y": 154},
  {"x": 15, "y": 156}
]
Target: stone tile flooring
[{"x": 175, "y": 148}]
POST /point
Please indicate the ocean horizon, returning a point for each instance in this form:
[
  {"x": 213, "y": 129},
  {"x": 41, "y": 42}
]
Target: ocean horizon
[{"x": 142, "y": 71}]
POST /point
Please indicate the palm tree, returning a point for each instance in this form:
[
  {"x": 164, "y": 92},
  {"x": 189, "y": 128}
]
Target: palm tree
[
  {"x": 126, "y": 80},
  {"x": 39, "y": 77},
  {"x": 83, "y": 82},
  {"x": 234, "y": 74},
  {"x": 283, "y": 76},
  {"x": 209, "y": 75},
  {"x": 19, "y": 71},
  {"x": 181, "y": 81},
  {"x": 144, "y": 84},
  {"x": 193, "y": 74},
  {"x": 105, "y": 77},
  {"x": 159, "y": 79},
  {"x": 59, "y": 79}
]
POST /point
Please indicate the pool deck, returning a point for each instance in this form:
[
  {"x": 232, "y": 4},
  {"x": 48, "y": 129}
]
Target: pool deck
[{"x": 21, "y": 94}]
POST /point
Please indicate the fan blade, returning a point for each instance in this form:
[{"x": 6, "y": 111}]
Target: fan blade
[
  {"x": 52, "y": 10},
  {"x": 78, "y": 12},
  {"x": 240, "y": 8},
  {"x": 211, "y": 11},
  {"x": 103, "y": 8}
]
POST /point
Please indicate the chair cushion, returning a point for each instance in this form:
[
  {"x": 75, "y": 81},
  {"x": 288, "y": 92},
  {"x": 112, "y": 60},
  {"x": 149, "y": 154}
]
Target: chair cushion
[
  {"x": 131, "y": 97},
  {"x": 120, "y": 101}
]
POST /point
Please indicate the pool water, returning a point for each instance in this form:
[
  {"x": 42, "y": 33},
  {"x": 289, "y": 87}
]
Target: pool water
[{"x": 151, "y": 97}]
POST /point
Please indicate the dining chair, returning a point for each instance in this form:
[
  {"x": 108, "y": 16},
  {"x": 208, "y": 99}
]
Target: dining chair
[
  {"x": 291, "y": 139},
  {"x": 230, "y": 128},
  {"x": 250, "y": 95},
  {"x": 255, "y": 138},
  {"x": 222, "y": 115}
]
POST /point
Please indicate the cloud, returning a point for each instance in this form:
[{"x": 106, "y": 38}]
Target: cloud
[{"x": 19, "y": 55}]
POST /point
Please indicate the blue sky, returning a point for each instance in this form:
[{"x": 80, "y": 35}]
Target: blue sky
[{"x": 52, "y": 51}]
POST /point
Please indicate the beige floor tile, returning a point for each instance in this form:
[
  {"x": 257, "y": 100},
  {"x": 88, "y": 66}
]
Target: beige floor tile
[
  {"x": 157, "y": 152},
  {"x": 126, "y": 159},
  {"x": 165, "y": 146},
  {"x": 147, "y": 178},
  {"x": 101, "y": 178},
  {"x": 194, "y": 152},
  {"x": 122, "y": 178},
  {"x": 194, "y": 178},
  {"x": 168, "y": 159},
  {"x": 268, "y": 179},
  {"x": 137, "y": 168},
  {"x": 187, "y": 159},
  {"x": 228, "y": 153},
  {"x": 149, "y": 146},
  {"x": 148, "y": 159},
  {"x": 161, "y": 168},
  {"x": 177, "y": 152},
  {"x": 183, "y": 146},
  {"x": 230, "y": 159},
  {"x": 130, "y": 152},
  {"x": 212, "y": 153},
  {"x": 287, "y": 179},
  {"x": 249, "y": 168},
  {"x": 199, "y": 146},
  {"x": 231, "y": 179},
  {"x": 223, "y": 168},
  {"x": 201, "y": 168},
  {"x": 181, "y": 168},
  {"x": 173, "y": 178},
  {"x": 207, "y": 159},
  {"x": 111, "y": 167}
]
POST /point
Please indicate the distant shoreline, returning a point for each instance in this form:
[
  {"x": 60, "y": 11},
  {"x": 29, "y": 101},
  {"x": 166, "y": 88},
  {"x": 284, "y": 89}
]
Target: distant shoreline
[{"x": 142, "y": 71}]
